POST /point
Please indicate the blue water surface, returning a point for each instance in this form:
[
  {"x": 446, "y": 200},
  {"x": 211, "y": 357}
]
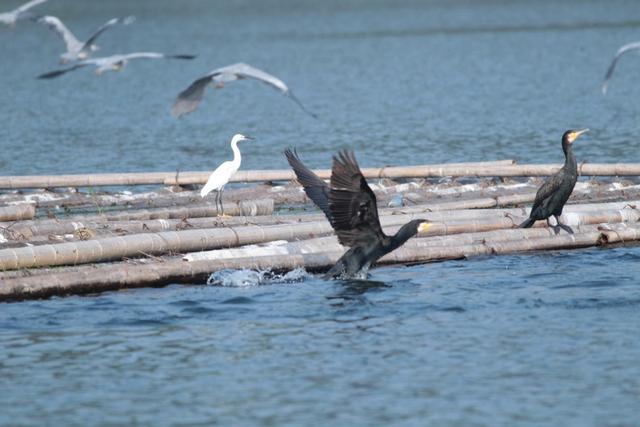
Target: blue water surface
[{"x": 531, "y": 340}]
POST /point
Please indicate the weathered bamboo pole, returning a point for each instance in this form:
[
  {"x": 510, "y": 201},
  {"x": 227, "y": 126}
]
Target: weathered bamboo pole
[
  {"x": 184, "y": 178},
  {"x": 280, "y": 194},
  {"x": 244, "y": 208},
  {"x": 111, "y": 248},
  {"x": 97, "y": 278},
  {"x": 450, "y": 233},
  {"x": 17, "y": 212},
  {"x": 26, "y": 230}
]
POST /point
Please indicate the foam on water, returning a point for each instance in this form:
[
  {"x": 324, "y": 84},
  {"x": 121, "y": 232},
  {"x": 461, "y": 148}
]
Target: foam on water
[{"x": 246, "y": 277}]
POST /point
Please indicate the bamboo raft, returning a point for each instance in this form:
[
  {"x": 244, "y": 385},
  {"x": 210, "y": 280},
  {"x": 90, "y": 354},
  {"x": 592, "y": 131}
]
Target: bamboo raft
[{"x": 58, "y": 239}]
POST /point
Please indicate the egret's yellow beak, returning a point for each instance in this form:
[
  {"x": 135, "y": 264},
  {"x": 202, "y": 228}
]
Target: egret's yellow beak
[
  {"x": 575, "y": 135},
  {"x": 423, "y": 227}
]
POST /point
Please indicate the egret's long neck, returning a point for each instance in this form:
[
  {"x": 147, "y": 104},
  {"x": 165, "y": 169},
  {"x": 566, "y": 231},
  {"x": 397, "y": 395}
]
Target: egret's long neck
[{"x": 236, "y": 153}]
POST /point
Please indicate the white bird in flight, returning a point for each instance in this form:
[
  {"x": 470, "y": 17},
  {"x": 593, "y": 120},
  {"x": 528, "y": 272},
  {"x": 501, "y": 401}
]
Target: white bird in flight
[
  {"x": 112, "y": 63},
  {"x": 10, "y": 18},
  {"x": 189, "y": 99},
  {"x": 77, "y": 50},
  {"x": 223, "y": 173},
  {"x": 624, "y": 49}
]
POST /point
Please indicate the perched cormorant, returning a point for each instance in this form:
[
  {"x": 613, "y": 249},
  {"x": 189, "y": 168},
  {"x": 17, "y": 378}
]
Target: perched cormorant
[
  {"x": 350, "y": 205},
  {"x": 555, "y": 192}
]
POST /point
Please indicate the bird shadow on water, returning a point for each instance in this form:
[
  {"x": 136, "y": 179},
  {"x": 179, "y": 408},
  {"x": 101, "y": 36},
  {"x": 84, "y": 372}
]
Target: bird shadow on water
[{"x": 354, "y": 290}]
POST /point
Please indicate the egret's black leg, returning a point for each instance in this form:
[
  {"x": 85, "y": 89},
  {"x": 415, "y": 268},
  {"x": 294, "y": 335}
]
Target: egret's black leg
[{"x": 221, "y": 206}]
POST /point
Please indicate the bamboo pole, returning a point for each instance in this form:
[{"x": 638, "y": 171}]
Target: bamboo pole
[
  {"x": 453, "y": 170},
  {"x": 99, "y": 225},
  {"x": 111, "y": 248},
  {"x": 244, "y": 208},
  {"x": 280, "y": 194},
  {"x": 17, "y": 212},
  {"x": 453, "y": 233},
  {"x": 185, "y": 178},
  {"x": 97, "y": 278}
]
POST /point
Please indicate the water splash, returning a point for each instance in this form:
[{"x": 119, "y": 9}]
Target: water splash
[{"x": 245, "y": 277}]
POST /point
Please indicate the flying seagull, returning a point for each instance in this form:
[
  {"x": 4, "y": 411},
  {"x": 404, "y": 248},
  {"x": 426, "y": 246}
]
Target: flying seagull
[
  {"x": 77, "y": 50},
  {"x": 624, "y": 49},
  {"x": 189, "y": 99},
  {"x": 112, "y": 63},
  {"x": 351, "y": 208},
  {"x": 11, "y": 17},
  {"x": 223, "y": 173}
]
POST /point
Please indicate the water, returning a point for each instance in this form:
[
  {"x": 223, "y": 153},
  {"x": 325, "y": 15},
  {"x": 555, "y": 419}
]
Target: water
[{"x": 543, "y": 339}]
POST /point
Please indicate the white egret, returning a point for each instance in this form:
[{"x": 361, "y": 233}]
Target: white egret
[
  {"x": 10, "y": 18},
  {"x": 221, "y": 176},
  {"x": 77, "y": 50},
  {"x": 112, "y": 63},
  {"x": 189, "y": 99},
  {"x": 624, "y": 49}
]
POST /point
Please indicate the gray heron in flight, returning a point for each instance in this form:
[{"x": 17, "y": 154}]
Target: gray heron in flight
[
  {"x": 623, "y": 49},
  {"x": 10, "y": 18},
  {"x": 77, "y": 50},
  {"x": 223, "y": 173},
  {"x": 189, "y": 99},
  {"x": 112, "y": 63}
]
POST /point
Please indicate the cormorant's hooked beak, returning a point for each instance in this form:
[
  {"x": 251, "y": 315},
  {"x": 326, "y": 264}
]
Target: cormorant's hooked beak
[
  {"x": 423, "y": 227},
  {"x": 575, "y": 135}
]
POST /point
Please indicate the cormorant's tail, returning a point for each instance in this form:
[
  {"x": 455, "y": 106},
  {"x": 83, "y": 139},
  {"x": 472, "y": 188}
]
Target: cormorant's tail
[{"x": 528, "y": 223}]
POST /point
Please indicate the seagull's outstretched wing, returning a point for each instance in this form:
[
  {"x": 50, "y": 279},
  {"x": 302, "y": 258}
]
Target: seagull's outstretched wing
[
  {"x": 624, "y": 49},
  {"x": 28, "y": 5},
  {"x": 110, "y": 23},
  {"x": 246, "y": 71},
  {"x": 58, "y": 73},
  {"x": 354, "y": 212},
  {"x": 19, "y": 13},
  {"x": 155, "y": 55},
  {"x": 56, "y": 25},
  {"x": 315, "y": 188},
  {"x": 189, "y": 99}
]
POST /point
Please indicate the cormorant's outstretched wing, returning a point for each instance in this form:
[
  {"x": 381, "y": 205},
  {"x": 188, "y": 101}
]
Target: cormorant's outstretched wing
[
  {"x": 624, "y": 49},
  {"x": 354, "y": 213},
  {"x": 550, "y": 186},
  {"x": 314, "y": 187},
  {"x": 110, "y": 23}
]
